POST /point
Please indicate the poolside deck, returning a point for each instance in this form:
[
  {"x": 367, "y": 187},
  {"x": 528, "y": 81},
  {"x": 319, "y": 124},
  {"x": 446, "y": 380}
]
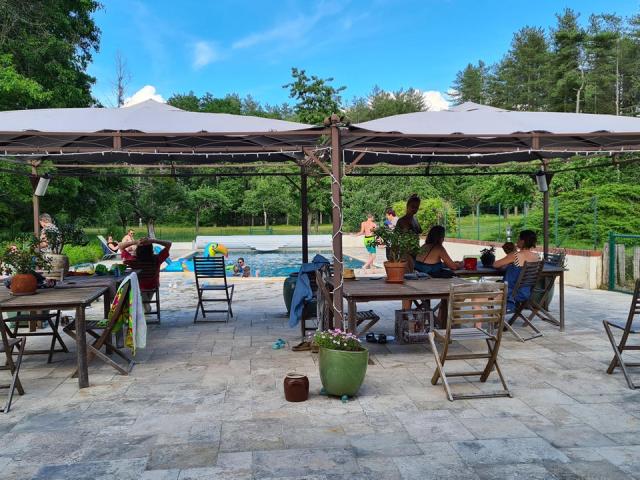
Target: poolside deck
[{"x": 206, "y": 402}]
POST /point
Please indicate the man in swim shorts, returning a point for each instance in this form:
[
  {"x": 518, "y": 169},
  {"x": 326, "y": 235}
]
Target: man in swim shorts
[{"x": 366, "y": 229}]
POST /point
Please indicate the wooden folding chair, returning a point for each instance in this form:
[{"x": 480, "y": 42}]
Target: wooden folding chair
[
  {"x": 472, "y": 304},
  {"x": 627, "y": 329},
  {"x": 528, "y": 278},
  {"x": 212, "y": 268},
  {"x": 9, "y": 346},
  {"x": 326, "y": 312},
  {"x": 102, "y": 332},
  {"x": 313, "y": 282},
  {"x": 24, "y": 320}
]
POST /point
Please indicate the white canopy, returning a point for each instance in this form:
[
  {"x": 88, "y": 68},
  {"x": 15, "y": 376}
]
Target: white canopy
[
  {"x": 474, "y": 119},
  {"x": 149, "y": 117}
]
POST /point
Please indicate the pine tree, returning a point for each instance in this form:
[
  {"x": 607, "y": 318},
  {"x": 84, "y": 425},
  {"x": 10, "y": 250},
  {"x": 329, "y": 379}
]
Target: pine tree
[
  {"x": 523, "y": 76},
  {"x": 471, "y": 84},
  {"x": 567, "y": 73}
]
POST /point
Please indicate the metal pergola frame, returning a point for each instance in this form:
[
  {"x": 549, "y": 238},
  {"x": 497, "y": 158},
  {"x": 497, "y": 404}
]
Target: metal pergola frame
[{"x": 336, "y": 150}]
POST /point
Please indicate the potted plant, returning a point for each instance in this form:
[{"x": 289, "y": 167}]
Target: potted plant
[
  {"x": 488, "y": 256},
  {"x": 21, "y": 259},
  {"x": 57, "y": 238},
  {"x": 343, "y": 362},
  {"x": 398, "y": 244}
]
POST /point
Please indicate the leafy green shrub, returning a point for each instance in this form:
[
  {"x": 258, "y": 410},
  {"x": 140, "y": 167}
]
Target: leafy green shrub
[
  {"x": 618, "y": 210},
  {"x": 433, "y": 211},
  {"x": 83, "y": 254}
]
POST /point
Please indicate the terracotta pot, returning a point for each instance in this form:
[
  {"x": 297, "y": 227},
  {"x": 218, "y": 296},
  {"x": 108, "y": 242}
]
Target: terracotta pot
[
  {"x": 23, "y": 284},
  {"x": 395, "y": 271},
  {"x": 296, "y": 387},
  {"x": 59, "y": 266}
]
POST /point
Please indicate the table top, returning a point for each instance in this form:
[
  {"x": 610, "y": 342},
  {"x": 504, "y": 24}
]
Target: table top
[
  {"x": 548, "y": 268},
  {"x": 364, "y": 288},
  {"x": 51, "y": 298},
  {"x": 90, "y": 281}
]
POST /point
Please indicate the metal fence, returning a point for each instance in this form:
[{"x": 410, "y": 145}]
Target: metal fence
[
  {"x": 578, "y": 229},
  {"x": 622, "y": 261}
]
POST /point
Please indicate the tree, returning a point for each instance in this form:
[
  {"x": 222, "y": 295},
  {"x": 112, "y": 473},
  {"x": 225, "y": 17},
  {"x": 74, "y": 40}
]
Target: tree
[
  {"x": 316, "y": 98},
  {"x": 50, "y": 43},
  {"x": 603, "y": 58},
  {"x": 567, "y": 43},
  {"x": 267, "y": 196},
  {"x": 521, "y": 81},
  {"x": 122, "y": 79},
  {"x": 471, "y": 84},
  {"x": 206, "y": 197},
  {"x": 185, "y": 101}
]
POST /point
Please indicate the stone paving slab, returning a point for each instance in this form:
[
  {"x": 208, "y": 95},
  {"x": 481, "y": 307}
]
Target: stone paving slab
[{"x": 206, "y": 401}]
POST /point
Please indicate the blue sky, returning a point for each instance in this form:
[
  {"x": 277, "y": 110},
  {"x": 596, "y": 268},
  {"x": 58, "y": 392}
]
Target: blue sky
[{"x": 249, "y": 47}]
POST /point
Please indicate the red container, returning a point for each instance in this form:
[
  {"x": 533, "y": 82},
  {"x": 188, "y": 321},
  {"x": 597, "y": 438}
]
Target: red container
[{"x": 470, "y": 263}]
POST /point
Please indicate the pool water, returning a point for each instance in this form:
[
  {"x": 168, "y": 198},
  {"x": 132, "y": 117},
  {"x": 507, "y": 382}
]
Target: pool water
[{"x": 277, "y": 264}]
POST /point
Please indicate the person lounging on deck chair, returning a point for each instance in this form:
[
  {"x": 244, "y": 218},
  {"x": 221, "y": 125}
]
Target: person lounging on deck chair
[{"x": 108, "y": 253}]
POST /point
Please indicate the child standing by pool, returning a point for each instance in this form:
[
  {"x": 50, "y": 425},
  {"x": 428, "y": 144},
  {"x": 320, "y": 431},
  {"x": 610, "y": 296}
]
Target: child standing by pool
[{"x": 366, "y": 229}]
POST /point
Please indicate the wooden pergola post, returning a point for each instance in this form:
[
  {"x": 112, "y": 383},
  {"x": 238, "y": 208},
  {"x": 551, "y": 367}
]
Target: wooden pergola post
[
  {"x": 304, "y": 206},
  {"x": 336, "y": 200},
  {"x": 35, "y": 200}
]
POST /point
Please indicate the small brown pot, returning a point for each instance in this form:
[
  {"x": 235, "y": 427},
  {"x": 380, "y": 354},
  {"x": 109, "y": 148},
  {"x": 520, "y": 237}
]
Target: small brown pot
[
  {"x": 23, "y": 284},
  {"x": 395, "y": 271},
  {"x": 296, "y": 387}
]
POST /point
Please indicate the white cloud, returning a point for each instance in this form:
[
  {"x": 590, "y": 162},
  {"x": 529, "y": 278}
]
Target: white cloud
[
  {"x": 148, "y": 92},
  {"x": 204, "y": 53},
  {"x": 434, "y": 100},
  {"x": 291, "y": 33}
]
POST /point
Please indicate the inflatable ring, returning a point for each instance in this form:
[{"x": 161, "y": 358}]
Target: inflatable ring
[{"x": 212, "y": 249}]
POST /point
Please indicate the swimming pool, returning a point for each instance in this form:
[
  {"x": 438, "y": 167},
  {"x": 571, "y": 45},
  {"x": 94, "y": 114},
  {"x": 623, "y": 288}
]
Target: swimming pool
[{"x": 277, "y": 264}]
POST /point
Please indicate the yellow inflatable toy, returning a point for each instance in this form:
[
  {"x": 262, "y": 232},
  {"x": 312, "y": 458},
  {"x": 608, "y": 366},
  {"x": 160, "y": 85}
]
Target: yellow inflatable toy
[{"x": 212, "y": 249}]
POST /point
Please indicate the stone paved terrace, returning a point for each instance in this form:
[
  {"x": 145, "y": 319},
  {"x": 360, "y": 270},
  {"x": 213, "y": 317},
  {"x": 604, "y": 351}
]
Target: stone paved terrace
[{"x": 206, "y": 402}]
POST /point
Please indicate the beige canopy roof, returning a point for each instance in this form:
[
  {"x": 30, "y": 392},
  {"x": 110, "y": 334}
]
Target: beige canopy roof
[{"x": 471, "y": 133}]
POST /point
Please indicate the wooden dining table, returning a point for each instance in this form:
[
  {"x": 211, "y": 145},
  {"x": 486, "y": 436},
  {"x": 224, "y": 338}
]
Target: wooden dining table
[
  {"x": 364, "y": 289},
  {"x": 78, "y": 298},
  {"x": 73, "y": 293}
]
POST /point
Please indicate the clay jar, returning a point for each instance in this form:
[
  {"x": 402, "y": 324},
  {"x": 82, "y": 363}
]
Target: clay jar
[{"x": 296, "y": 387}]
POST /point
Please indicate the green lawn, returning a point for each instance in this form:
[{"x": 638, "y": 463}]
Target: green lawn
[
  {"x": 180, "y": 233},
  {"x": 492, "y": 228}
]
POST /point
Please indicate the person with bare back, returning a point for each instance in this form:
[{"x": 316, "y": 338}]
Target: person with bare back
[{"x": 366, "y": 228}]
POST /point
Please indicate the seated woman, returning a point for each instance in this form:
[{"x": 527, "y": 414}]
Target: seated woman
[
  {"x": 149, "y": 263},
  {"x": 514, "y": 262},
  {"x": 112, "y": 244},
  {"x": 433, "y": 257}
]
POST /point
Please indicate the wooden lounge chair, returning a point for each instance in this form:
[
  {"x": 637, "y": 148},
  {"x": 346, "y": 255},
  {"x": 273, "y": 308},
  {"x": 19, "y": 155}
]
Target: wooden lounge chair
[
  {"x": 102, "y": 332},
  {"x": 11, "y": 346},
  {"x": 621, "y": 346},
  {"x": 478, "y": 303},
  {"x": 529, "y": 278},
  {"x": 212, "y": 268},
  {"x": 325, "y": 305}
]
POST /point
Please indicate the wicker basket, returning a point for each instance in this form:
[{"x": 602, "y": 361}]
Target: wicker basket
[{"x": 412, "y": 326}]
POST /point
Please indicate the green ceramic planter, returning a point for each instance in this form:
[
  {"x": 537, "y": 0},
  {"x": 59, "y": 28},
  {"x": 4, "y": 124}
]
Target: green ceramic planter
[{"x": 342, "y": 372}]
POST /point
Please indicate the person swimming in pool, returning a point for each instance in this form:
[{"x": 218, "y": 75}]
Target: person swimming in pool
[{"x": 366, "y": 228}]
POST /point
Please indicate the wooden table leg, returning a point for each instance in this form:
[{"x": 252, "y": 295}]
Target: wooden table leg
[
  {"x": 352, "y": 317},
  {"x": 562, "y": 301},
  {"x": 81, "y": 340}
]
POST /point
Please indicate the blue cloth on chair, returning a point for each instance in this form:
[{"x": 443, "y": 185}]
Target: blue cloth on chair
[
  {"x": 511, "y": 275},
  {"x": 302, "y": 292}
]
